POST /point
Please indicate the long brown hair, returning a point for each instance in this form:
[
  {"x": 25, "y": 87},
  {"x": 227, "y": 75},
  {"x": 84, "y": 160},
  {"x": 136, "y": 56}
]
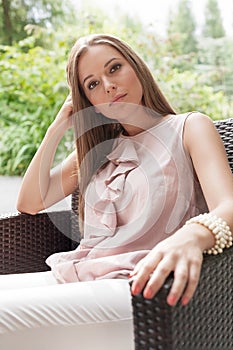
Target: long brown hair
[{"x": 95, "y": 132}]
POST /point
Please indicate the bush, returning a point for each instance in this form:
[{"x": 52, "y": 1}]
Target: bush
[
  {"x": 187, "y": 91},
  {"x": 33, "y": 82},
  {"x": 32, "y": 90}
]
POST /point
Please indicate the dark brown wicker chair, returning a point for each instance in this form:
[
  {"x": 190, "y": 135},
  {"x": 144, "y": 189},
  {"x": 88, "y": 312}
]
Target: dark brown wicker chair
[{"x": 205, "y": 324}]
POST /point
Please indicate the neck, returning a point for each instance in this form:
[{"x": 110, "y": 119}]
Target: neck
[{"x": 143, "y": 124}]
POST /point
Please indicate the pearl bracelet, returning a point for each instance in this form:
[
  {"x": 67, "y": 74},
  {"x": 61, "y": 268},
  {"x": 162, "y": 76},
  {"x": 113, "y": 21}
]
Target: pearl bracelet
[{"x": 219, "y": 228}]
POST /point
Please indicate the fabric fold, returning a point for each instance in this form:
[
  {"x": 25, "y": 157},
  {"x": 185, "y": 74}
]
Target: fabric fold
[
  {"x": 86, "y": 266},
  {"x": 129, "y": 204},
  {"x": 124, "y": 159}
]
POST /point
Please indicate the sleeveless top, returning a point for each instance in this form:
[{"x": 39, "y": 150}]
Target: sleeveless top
[{"x": 145, "y": 193}]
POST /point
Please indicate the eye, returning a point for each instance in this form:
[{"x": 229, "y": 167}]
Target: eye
[
  {"x": 92, "y": 85},
  {"x": 115, "y": 67}
]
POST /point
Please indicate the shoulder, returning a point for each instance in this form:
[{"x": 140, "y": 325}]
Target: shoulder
[
  {"x": 198, "y": 122},
  {"x": 198, "y": 128},
  {"x": 191, "y": 119},
  {"x": 195, "y": 116},
  {"x": 193, "y": 122}
]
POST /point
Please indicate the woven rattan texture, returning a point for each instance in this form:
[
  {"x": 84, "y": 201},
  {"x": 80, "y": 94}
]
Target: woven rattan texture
[
  {"x": 27, "y": 240},
  {"x": 225, "y": 129},
  {"x": 207, "y": 322},
  {"x": 76, "y": 236}
]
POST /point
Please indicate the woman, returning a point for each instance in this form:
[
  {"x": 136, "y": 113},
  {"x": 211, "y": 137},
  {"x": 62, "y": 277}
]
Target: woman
[
  {"x": 142, "y": 173},
  {"x": 105, "y": 73}
]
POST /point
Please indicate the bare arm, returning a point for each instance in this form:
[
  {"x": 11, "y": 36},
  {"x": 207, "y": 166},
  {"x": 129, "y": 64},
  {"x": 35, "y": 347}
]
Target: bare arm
[
  {"x": 210, "y": 162},
  {"x": 182, "y": 253},
  {"x": 43, "y": 186}
]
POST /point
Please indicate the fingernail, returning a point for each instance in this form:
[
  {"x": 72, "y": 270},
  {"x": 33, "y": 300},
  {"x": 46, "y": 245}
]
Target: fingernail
[
  {"x": 135, "y": 290},
  {"x": 131, "y": 274},
  {"x": 185, "y": 301},
  {"x": 148, "y": 293},
  {"x": 172, "y": 300}
]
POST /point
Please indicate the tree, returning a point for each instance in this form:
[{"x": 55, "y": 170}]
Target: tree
[
  {"x": 6, "y": 20},
  {"x": 16, "y": 14},
  {"x": 213, "y": 27},
  {"x": 181, "y": 28}
]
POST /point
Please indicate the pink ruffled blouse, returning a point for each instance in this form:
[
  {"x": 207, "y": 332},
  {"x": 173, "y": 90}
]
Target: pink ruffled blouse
[{"x": 145, "y": 193}]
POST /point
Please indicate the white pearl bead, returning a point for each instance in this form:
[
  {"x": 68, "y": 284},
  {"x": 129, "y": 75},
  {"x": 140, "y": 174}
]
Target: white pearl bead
[{"x": 219, "y": 228}]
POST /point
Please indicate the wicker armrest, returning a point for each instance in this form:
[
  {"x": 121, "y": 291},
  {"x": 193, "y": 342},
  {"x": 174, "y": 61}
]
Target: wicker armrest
[
  {"x": 27, "y": 240},
  {"x": 205, "y": 323}
]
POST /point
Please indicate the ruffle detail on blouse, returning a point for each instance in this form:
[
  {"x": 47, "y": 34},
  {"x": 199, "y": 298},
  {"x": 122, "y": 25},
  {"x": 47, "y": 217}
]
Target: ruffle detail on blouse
[
  {"x": 124, "y": 157},
  {"x": 124, "y": 152}
]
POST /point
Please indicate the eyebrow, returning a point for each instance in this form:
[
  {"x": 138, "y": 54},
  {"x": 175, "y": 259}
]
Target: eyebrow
[{"x": 106, "y": 64}]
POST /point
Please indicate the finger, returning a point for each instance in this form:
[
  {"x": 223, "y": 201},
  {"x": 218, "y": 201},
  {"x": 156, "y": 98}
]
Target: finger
[
  {"x": 150, "y": 261},
  {"x": 142, "y": 272},
  {"x": 181, "y": 275},
  {"x": 137, "y": 267},
  {"x": 194, "y": 276},
  {"x": 158, "y": 277}
]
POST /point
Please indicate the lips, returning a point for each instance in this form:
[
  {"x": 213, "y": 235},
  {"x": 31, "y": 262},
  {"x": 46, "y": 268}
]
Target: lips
[{"x": 117, "y": 98}]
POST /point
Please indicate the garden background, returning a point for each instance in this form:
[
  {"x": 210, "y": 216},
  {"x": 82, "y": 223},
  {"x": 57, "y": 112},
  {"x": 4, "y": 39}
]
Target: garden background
[{"x": 192, "y": 64}]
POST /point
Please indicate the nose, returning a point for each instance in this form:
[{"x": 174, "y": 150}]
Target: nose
[{"x": 110, "y": 87}]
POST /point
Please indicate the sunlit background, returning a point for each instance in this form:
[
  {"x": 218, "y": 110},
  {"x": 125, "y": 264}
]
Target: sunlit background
[
  {"x": 187, "y": 44},
  {"x": 155, "y": 13}
]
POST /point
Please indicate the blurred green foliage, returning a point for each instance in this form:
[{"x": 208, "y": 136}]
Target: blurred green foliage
[
  {"x": 213, "y": 27},
  {"x": 32, "y": 88},
  {"x": 33, "y": 80},
  {"x": 15, "y": 15}
]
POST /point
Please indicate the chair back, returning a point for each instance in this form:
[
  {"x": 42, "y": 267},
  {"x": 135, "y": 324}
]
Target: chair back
[{"x": 225, "y": 129}]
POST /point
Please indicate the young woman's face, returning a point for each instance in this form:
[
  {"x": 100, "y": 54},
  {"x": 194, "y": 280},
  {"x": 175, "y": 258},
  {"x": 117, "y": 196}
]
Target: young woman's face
[{"x": 109, "y": 81}]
